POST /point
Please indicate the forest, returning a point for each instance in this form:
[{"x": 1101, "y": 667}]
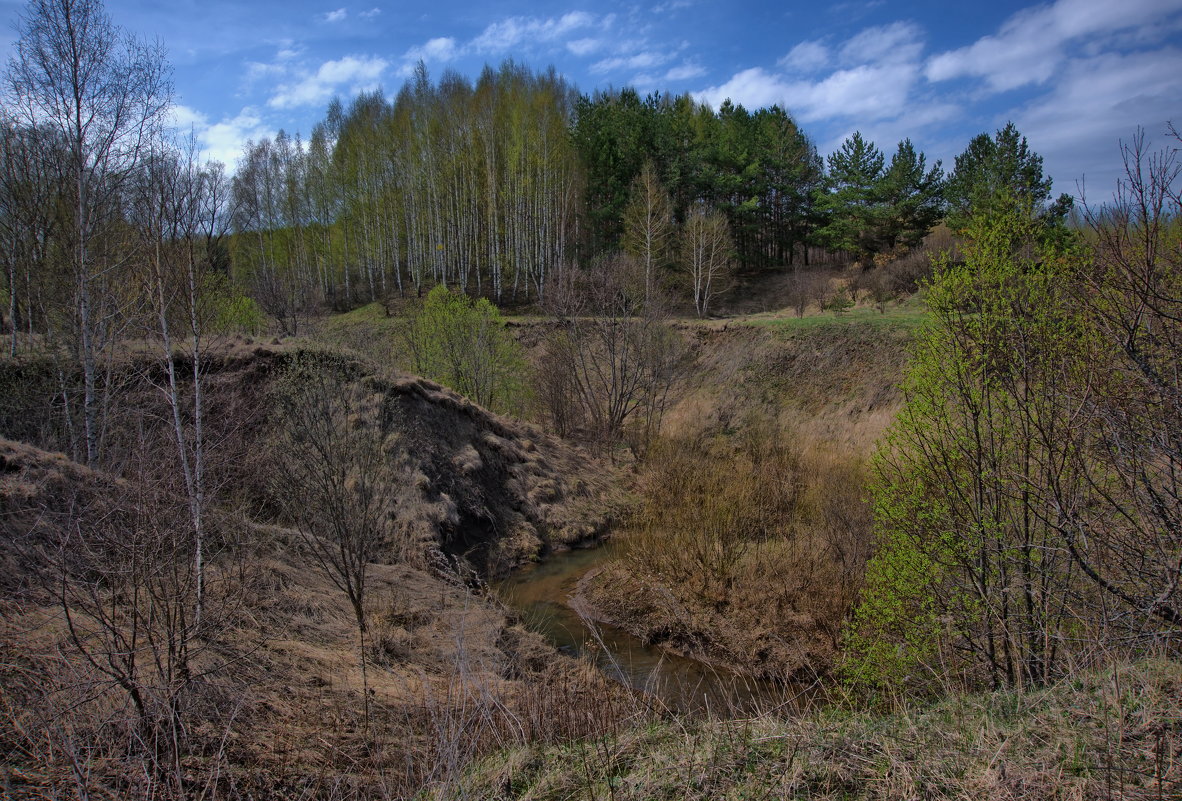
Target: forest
[{"x": 504, "y": 441}]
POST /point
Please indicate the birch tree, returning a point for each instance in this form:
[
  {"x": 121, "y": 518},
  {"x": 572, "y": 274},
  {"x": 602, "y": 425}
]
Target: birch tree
[
  {"x": 706, "y": 255},
  {"x": 648, "y": 225},
  {"x": 105, "y": 94}
]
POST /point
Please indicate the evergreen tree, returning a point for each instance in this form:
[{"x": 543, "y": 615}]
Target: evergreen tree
[
  {"x": 992, "y": 172},
  {"x": 851, "y": 203},
  {"x": 912, "y": 197}
]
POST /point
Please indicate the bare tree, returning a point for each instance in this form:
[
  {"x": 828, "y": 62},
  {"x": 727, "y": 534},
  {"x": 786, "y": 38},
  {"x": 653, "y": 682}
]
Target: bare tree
[
  {"x": 648, "y": 225},
  {"x": 105, "y": 94},
  {"x": 1130, "y": 544},
  {"x": 707, "y": 256},
  {"x": 179, "y": 211},
  {"x": 614, "y": 356},
  {"x": 30, "y": 181},
  {"x": 142, "y": 681},
  {"x": 335, "y": 475}
]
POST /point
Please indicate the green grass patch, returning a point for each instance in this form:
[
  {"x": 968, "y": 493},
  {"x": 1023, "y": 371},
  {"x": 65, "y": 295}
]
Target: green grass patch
[
  {"x": 908, "y": 315},
  {"x": 367, "y": 330}
]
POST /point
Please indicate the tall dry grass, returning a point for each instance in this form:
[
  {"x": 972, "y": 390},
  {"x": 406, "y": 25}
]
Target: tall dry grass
[{"x": 749, "y": 550}]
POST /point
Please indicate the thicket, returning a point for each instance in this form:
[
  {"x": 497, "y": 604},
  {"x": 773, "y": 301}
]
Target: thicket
[
  {"x": 745, "y": 548},
  {"x": 1026, "y": 499},
  {"x": 607, "y": 373}
]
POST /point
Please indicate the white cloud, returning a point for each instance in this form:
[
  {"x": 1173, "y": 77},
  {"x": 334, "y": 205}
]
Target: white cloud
[
  {"x": 256, "y": 70},
  {"x": 685, "y": 72},
  {"x": 893, "y": 44},
  {"x": 442, "y": 48},
  {"x": 806, "y": 57},
  {"x": 222, "y": 141},
  {"x": 510, "y": 34},
  {"x": 636, "y": 61},
  {"x": 585, "y": 47},
  {"x": 351, "y": 73},
  {"x": 336, "y": 16},
  {"x": 514, "y": 31},
  {"x": 184, "y": 118},
  {"x": 869, "y": 92},
  {"x": 1097, "y": 102},
  {"x": 880, "y": 73},
  {"x": 878, "y": 87},
  {"x": 752, "y": 88},
  {"x": 439, "y": 50},
  {"x": 1031, "y": 44},
  {"x": 373, "y": 12}
]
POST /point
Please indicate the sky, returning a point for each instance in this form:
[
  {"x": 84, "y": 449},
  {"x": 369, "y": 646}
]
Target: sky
[{"x": 1075, "y": 76}]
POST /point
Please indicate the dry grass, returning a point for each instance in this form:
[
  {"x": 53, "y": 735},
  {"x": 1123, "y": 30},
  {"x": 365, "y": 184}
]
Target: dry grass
[
  {"x": 751, "y": 546},
  {"x": 744, "y": 553},
  {"x": 1115, "y": 734},
  {"x": 280, "y": 710}
]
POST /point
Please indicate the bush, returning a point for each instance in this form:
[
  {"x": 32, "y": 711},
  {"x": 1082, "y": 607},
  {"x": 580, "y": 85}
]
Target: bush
[
  {"x": 463, "y": 344},
  {"x": 963, "y": 478},
  {"x": 231, "y": 312}
]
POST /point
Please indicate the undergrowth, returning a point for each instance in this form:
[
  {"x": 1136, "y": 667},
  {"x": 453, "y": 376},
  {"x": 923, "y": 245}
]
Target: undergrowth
[{"x": 1107, "y": 734}]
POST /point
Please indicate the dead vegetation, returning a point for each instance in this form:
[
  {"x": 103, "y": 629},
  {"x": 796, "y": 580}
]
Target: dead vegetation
[{"x": 751, "y": 538}]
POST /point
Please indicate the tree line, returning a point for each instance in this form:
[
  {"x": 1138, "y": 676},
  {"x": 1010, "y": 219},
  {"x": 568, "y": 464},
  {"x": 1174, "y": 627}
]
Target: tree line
[
  {"x": 469, "y": 186},
  {"x": 487, "y": 187}
]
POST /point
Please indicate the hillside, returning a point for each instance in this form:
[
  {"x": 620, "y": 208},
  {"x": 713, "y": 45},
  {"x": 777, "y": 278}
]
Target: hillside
[{"x": 274, "y": 701}]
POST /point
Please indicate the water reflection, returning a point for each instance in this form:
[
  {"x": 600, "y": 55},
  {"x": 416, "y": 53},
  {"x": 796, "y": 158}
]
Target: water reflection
[{"x": 543, "y": 594}]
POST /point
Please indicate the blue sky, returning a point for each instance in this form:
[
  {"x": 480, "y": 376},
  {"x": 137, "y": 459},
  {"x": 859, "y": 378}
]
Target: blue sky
[{"x": 1075, "y": 75}]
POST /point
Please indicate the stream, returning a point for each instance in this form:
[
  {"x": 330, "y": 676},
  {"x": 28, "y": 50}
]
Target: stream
[{"x": 541, "y": 594}]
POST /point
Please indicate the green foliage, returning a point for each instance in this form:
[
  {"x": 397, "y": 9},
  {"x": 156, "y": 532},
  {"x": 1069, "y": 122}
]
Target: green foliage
[
  {"x": 868, "y": 207},
  {"x": 230, "y": 311},
  {"x": 895, "y": 630},
  {"x": 839, "y": 303},
  {"x": 913, "y": 197},
  {"x": 473, "y": 185},
  {"x": 999, "y": 172},
  {"x": 757, "y": 168},
  {"x": 961, "y": 480},
  {"x": 850, "y": 203},
  {"x": 463, "y": 343}
]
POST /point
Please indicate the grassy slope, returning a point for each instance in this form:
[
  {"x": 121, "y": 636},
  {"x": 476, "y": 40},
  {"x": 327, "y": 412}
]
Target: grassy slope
[{"x": 1111, "y": 734}]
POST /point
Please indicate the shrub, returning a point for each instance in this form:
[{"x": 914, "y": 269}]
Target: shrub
[{"x": 463, "y": 344}]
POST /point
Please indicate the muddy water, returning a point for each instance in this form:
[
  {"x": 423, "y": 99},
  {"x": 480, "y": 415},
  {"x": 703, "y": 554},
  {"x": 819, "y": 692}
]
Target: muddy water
[{"x": 542, "y": 594}]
